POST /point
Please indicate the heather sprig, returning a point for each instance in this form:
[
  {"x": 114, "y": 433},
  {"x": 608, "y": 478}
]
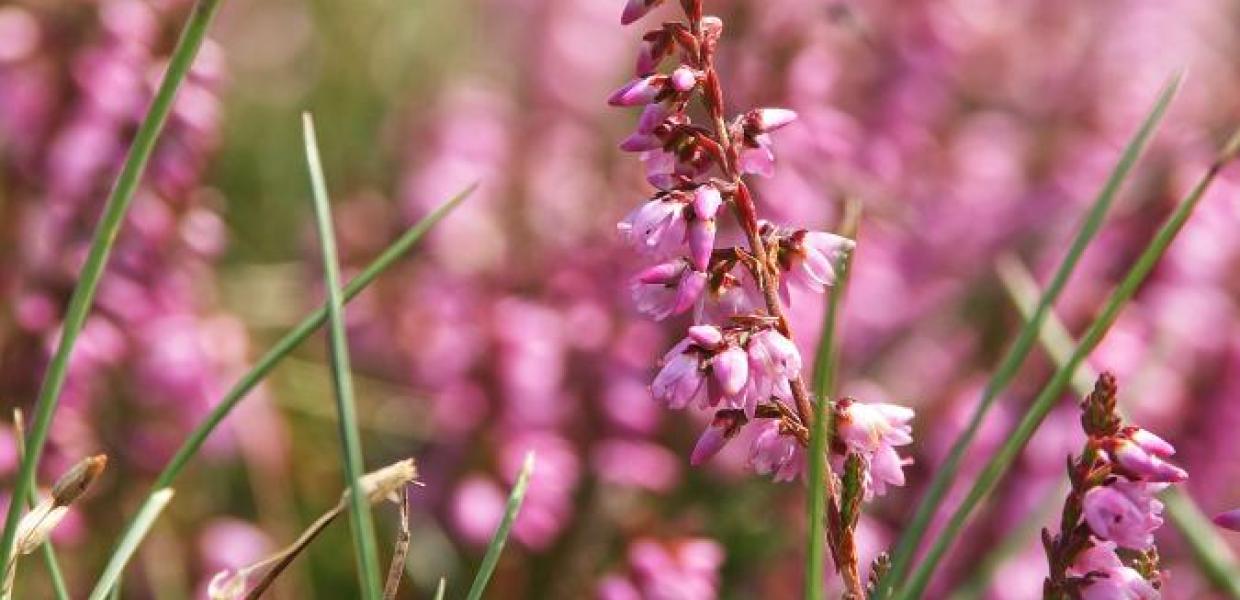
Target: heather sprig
[
  {"x": 739, "y": 357},
  {"x": 1105, "y": 544}
]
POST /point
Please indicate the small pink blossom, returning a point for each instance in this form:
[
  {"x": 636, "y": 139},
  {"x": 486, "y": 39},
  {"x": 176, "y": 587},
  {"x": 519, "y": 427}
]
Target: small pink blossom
[
  {"x": 1139, "y": 462},
  {"x": 637, "y": 92},
  {"x": 811, "y": 258},
  {"x": 655, "y": 228},
  {"x": 1229, "y": 520},
  {"x": 636, "y": 9},
  {"x": 668, "y": 289},
  {"x": 776, "y": 454},
  {"x": 1125, "y": 512},
  {"x": 1108, "y": 578},
  {"x": 682, "y": 379}
]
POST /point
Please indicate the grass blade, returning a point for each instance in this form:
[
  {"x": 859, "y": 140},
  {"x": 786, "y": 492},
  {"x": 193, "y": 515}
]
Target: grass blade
[
  {"x": 501, "y": 534},
  {"x": 97, "y": 257},
  {"x": 365, "y": 549},
  {"x": 1213, "y": 556},
  {"x": 910, "y": 540},
  {"x": 194, "y": 441},
  {"x": 825, "y": 363},
  {"x": 441, "y": 589},
  {"x": 1046, "y": 399},
  {"x": 49, "y": 552},
  {"x": 129, "y": 544}
]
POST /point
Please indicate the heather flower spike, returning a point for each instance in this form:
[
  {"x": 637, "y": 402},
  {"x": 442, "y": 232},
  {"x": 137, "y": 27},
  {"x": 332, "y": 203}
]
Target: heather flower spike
[
  {"x": 1106, "y": 546},
  {"x": 738, "y": 357}
]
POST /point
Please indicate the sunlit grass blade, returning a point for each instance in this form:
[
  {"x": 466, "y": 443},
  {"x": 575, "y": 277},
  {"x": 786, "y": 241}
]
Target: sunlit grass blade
[
  {"x": 365, "y": 548},
  {"x": 97, "y": 257},
  {"x": 1011, "y": 362},
  {"x": 818, "y": 492},
  {"x": 1010, "y": 546},
  {"x": 491, "y": 558},
  {"x": 194, "y": 441},
  {"x": 441, "y": 589},
  {"x": 48, "y": 550},
  {"x": 1213, "y": 556},
  {"x": 129, "y": 544},
  {"x": 1051, "y": 393}
]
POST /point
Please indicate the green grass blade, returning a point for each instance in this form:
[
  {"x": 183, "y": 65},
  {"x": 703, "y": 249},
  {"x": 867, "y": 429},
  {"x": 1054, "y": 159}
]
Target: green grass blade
[
  {"x": 1010, "y": 546},
  {"x": 194, "y": 441},
  {"x": 292, "y": 339},
  {"x": 1214, "y": 557},
  {"x": 441, "y": 589},
  {"x": 365, "y": 549},
  {"x": 1054, "y": 388},
  {"x": 150, "y": 510},
  {"x": 491, "y": 558},
  {"x": 945, "y": 475},
  {"x": 97, "y": 257},
  {"x": 825, "y": 363}
]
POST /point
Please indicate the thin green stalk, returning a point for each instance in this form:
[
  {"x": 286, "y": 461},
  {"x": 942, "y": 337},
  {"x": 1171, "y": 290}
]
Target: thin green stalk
[
  {"x": 49, "y": 552},
  {"x": 365, "y": 549},
  {"x": 945, "y": 475},
  {"x": 193, "y": 443},
  {"x": 100, "y": 248},
  {"x": 491, "y": 558},
  {"x": 441, "y": 589},
  {"x": 129, "y": 544},
  {"x": 825, "y": 364},
  {"x": 1011, "y": 544},
  {"x": 1213, "y": 556},
  {"x": 1045, "y": 400}
]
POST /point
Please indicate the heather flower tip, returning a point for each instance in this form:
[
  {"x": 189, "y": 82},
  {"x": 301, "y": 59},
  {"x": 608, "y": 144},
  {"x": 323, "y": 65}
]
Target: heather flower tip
[
  {"x": 636, "y": 9},
  {"x": 1228, "y": 520}
]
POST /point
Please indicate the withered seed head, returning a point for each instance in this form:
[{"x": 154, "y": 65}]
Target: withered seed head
[{"x": 75, "y": 482}]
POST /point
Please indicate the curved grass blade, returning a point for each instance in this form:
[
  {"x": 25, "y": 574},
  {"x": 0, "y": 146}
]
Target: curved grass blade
[
  {"x": 1213, "y": 556},
  {"x": 129, "y": 544},
  {"x": 365, "y": 549},
  {"x": 911, "y": 538},
  {"x": 194, "y": 441},
  {"x": 100, "y": 248},
  {"x": 1046, "y": 399},
  {"x": 819, "y": 492},
  {"x": 491, "y": 558}
]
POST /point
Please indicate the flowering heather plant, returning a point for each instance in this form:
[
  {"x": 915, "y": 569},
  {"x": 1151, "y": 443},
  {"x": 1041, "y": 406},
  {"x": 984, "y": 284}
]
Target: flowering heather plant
[
  {"x": 745, "y": 365},
  {"x": 1105, "y": 546},
  {"x": 966, "y": 130}
]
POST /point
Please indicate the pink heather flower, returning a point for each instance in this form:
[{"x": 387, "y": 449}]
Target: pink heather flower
[
  {"x": 1144, "y": 465},
  {"x": 636, "y": 9},
  {"x": 1152, "y": 443},
  {"x": 706, "y": 336},
  {"x": 683, "y": 79},
  {"x": 644, "y": 139},
  {"x": 769, "y": 119},
  {"x": 637, "y": 92},
  {"x": 874, "y": 430},
  {"x": 682, "y": 379},
  {"x": 1108, "y": 578},
  {"x": 706, "y": 202},
  {"x": 722, "y": 428},
  {"x": 812, "y": 258},
  {"x": 655, "y": 228},
  {"x": 1125, "y": 512},
  {"x": 701, "y": 242},
  {"x": 1229, "y": 520},
  {"x": 758, "y": 159},
  {"x": 776, "y": 454},
  {"x": 730, "y": 369},
  {"x": 869, "y": 427},
  {"x": 666, "y": 289},
  {"x": 773, "y": 360}
]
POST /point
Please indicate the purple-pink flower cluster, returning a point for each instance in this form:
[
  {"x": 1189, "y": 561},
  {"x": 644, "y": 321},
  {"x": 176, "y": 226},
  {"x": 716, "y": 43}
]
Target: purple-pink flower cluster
[
  {"x": 684, "y": 569},
  {"x": 1105, "y": 548}
]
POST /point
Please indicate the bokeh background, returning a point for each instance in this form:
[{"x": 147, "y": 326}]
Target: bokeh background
[{"x": 966, "y": 129}]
